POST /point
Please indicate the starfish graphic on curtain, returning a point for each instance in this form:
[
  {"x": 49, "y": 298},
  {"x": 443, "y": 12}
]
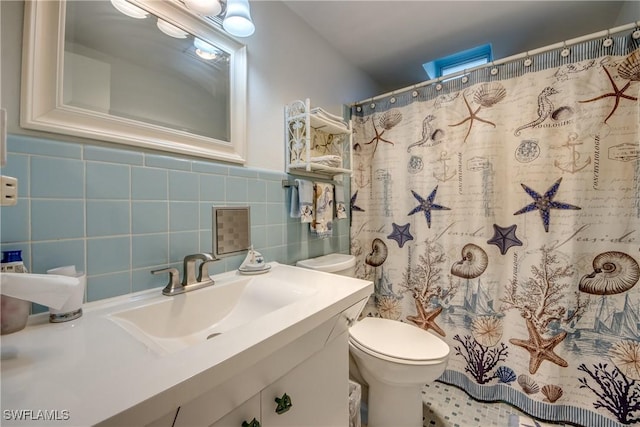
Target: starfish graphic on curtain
[
  {"x": 427, "y": 205},
  {"x": 630, "y": 70},
  {"x": 544, "y": 203}
]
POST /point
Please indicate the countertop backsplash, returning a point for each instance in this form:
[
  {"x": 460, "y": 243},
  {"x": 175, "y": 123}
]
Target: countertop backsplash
[{"x": 117, "y": 214}]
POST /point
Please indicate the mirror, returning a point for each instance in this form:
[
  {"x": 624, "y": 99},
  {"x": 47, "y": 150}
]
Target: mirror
[
  {"x": 169, "y": 81},
  {"x": 231, "y": 230}
]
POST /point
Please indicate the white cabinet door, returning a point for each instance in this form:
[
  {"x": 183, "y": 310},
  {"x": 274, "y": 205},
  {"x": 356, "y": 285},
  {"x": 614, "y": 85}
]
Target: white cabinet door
[
  {"x": 318, "y": 388},
  {"x": 243, "y": 413},
  {"x": 219, "y": 407},
  {"x": 165, "y": 421}
]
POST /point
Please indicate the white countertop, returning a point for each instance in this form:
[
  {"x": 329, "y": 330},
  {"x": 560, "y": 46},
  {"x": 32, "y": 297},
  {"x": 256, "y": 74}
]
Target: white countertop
[{"x": 86, "y": 371}]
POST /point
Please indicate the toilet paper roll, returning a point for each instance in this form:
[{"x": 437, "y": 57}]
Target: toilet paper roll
[{"x": 77, "y": 297}]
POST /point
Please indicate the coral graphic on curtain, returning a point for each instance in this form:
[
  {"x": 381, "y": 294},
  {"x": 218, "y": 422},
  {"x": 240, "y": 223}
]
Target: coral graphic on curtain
[{"x": 501, "y": 212}]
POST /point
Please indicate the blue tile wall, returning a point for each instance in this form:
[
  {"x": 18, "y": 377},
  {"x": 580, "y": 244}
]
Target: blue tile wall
[{"x": 117, "y": 214}]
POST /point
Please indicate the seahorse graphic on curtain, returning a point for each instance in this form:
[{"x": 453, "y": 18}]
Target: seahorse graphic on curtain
[{"x": 513, "y": 232}]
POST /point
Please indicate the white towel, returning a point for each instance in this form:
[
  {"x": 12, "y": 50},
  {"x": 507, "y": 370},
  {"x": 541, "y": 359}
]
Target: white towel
[
  {"x": 294, "y": 209},
  {"x": 305, "y": 194},
  {"x": 322, "y": 226},
  {"x": 77, "y": 297},
  {"x": 331, "y": 160},
  {"x": 330, "y": 117},
  {"x": 46, "y": 289},
  {"x": 341, "y": 209}
]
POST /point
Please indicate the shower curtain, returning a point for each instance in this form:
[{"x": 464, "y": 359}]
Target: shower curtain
[{"x": 500, "y": 211}]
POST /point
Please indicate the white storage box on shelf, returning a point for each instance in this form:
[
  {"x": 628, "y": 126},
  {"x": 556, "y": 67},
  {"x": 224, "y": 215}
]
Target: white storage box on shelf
[{"x": 318, "y": 143}]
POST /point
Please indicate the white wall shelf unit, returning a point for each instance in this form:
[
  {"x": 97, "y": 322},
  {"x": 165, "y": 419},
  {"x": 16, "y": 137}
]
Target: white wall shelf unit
[{"x": 318, "y": 143}]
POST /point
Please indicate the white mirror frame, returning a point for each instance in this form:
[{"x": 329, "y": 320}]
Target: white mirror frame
[{"x": 42, "y": 105}]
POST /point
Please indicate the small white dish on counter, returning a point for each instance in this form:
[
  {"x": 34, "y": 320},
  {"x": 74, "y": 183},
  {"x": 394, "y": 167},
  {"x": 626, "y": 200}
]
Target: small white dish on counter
[{"x": 252, "y": 271}]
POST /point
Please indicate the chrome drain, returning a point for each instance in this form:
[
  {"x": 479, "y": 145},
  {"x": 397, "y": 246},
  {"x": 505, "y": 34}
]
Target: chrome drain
[{"x": 215, "y": 334}]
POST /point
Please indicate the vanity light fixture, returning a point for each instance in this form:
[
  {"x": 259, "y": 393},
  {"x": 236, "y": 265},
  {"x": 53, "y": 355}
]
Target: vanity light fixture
[
  {"x": 129, "y": 9},
  {"x": 235, "y": 14},
  {"x": 171, "y": 30},
  {"x": 204, "y": 50},
  {"x": 237, "y": 20}
]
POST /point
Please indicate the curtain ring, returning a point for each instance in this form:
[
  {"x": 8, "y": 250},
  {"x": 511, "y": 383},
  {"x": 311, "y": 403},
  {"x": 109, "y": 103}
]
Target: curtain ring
[
  {"x": 438, "y": 84},
  {"x": 608, "y": 42},
  {"x": 528, "y": 61},
  {"x": 464, "y": 79},
  {"x": 565, "y": 51},
  {"x": 494, "y": 70}
]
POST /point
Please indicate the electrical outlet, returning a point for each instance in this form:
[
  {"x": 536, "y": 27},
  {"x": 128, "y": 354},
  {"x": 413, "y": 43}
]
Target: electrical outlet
[{"x": 8, "y": 191}]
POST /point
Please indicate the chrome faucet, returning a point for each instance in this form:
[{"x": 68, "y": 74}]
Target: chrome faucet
[{"x": 190, "y": 281}]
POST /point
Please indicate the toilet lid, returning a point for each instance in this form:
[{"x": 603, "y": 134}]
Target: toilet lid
[{"x": 398, "y": 340}]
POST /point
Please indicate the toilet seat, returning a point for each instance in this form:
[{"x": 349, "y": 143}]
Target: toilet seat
[{"x": 397, "y": 342}]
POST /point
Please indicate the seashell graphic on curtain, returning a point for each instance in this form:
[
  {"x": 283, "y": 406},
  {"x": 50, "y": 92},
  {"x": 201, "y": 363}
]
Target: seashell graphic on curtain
[
  {"x": 505, "y": 375},
  {"x": 528, "y": 384},
  {"x": 473, "y": 263},
  {"x": 489, "y": 94},
  {"x": 552, "y": 392},
  {"x": 613, "y": 273},
  {"x": 629, "y": 69},
  {"x": 378, "y": 253}
]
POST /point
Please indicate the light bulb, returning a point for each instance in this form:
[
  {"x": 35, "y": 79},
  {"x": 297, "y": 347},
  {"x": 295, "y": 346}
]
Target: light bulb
[
  {"x": 204, "y": 7},
  {"x": 237, "y": 20},
  {"x": 171, "y": 30},
  {"x": 205, "y": 50},
  {"x": 129, "y": 9}
]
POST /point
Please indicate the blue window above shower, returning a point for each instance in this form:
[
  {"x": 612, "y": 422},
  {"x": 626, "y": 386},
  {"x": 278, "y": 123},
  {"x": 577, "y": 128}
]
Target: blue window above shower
[{"x": 459, "y": 61}]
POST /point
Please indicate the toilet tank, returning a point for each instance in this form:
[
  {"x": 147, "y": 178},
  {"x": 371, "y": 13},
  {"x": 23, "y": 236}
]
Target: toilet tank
[{"x": 342, "y": 264}]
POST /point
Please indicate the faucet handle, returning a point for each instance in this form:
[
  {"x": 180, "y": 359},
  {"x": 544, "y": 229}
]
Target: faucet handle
[{"x": 174, "y": 279}]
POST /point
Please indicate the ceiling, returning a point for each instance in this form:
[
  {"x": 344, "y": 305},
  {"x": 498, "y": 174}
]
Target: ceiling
[{"x": 390, "y": 40}]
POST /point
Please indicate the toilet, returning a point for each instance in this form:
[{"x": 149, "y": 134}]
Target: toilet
[{"x": 395, "y": 359}]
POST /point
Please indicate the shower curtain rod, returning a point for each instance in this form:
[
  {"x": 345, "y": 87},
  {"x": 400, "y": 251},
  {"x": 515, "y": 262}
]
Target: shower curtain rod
[{"x": 523, "y": 55}]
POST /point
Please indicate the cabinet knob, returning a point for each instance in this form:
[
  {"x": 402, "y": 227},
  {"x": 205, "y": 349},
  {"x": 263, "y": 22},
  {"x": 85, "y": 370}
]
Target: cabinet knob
[
  {"x": 253, "y": 423},
  {"x": 284, "y": 404}
]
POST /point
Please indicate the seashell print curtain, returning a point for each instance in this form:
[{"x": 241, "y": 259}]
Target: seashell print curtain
[{"x": 501, "y": 211}]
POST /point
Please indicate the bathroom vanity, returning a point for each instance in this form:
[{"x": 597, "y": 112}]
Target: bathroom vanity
[
  {"x": 283, "y": 332},
  {"x": 315, "y": 389}
]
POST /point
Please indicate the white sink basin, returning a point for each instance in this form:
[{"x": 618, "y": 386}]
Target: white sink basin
[{"x": 176, "y": 322}]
